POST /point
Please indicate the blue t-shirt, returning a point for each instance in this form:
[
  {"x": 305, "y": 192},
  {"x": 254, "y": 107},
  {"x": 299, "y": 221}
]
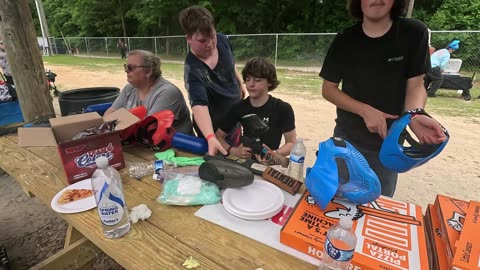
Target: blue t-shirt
[
  {"x": 216, "y": 88},
  {"x": 440, "y": 58}
]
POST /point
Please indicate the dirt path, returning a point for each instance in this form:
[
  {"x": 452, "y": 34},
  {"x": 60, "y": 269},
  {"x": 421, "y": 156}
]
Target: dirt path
[{"x": 31, "y": 231}]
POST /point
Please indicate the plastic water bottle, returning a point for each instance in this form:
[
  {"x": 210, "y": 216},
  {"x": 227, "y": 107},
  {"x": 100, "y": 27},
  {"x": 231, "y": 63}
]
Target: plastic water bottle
[
  {"x": 339, "y": 246},
  {"x": 297, "y": 159},
  {"x": 138, "y": 170},
  {"x": 107, "y": 186}
]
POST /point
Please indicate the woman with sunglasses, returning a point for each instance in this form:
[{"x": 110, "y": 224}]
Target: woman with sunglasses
[{"x": 147, "y": 87}]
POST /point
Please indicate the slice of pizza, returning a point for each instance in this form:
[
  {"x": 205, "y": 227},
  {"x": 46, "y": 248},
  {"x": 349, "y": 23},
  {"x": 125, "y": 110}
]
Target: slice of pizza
[{"x": 71, "y": 195}]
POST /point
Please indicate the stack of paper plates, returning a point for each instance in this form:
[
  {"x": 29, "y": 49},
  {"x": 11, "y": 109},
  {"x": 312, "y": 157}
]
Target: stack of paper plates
[{"x": 260, "y": 200}]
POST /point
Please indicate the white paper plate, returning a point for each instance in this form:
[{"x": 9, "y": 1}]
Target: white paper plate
[
  {"x": 76, "y": 206},
  {"x": 260, "y": 200}
]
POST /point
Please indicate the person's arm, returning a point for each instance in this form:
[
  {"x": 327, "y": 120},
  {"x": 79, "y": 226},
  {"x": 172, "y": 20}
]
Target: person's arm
[
  {"x": 374, "y": 119},
  {"x": 120, "y": 101},
  {"x": 220, "y": 134},
  {"x": 290, "y": 138},
  {"x": 239, "y": 151},
  {"x": 204, "y": 122},
  {"x": 109, "y": 111},
  {"x": 427, "y": 129},
  {"x": 243, "y": 90}
]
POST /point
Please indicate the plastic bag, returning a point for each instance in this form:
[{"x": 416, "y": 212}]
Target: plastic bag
[{"x": 184, "y": 189}]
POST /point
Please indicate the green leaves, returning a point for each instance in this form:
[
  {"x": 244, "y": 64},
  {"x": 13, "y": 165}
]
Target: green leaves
[{"x": 160, "y": 17}]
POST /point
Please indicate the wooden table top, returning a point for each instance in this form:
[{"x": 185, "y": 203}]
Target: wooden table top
[{"x": 165, "y": 240}]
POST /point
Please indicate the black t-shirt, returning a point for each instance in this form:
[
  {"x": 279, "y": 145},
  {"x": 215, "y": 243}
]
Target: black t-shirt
[
  {"x": 218, "y": 88},
  {"x": 375, "y": 71},
  {"x": 277, "y": 114}
]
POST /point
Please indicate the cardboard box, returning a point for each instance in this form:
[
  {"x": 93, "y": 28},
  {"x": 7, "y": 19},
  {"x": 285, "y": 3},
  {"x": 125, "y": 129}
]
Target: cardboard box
[
  {"x": 429, "y": 241},
  {"x": 390, "y": 233},
  {"x": 434, "y": 232},
  {"x": 452, "y": 215},
  {"x": 78, "y": 156},
  {"x": 467, "y": 255}
]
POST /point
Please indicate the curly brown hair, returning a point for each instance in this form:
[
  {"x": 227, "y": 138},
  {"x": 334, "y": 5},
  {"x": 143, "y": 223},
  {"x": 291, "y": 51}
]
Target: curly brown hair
[
  {"x": 354, "y": 8},
  {"x": 197, "y": 18},
  {"x": 261, "y": 68}
]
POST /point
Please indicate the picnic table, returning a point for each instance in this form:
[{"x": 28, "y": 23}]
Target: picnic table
[{"x": 170, "y": 236}]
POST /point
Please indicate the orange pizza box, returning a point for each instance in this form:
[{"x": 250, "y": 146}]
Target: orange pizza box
[
  {"x": 452, "y": 215},
  {"x": 467, "y": 255},
  {"x": 434, "y": 233},
  {"x": 428, "y": 239},
  {"x": 390, "y": 234}
]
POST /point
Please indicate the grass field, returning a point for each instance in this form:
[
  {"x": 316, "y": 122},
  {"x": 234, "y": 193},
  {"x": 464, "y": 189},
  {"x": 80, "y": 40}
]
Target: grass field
[{"x": 448, "y": 102}]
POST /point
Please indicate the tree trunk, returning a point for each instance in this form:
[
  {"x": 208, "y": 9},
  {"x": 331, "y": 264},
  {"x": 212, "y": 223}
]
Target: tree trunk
[
  {"x": 410, "y": 8},
  {"x": 18, "y": 34},
  {"x": 123, "y": 19}
]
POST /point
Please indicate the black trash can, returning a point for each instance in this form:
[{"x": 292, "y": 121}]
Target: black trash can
[{"x": 77, "y": 100}]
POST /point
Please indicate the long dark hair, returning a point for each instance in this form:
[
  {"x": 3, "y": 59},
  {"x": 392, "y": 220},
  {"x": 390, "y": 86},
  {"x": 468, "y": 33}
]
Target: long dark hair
[{"x": 354, "y": 8}]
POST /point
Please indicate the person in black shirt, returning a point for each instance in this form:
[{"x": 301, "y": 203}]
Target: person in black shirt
[
  {"x": 381, "y": 62},
  {"x": 122, "y": 47},
  {"x": 260, "y": 78},
  {"x": 211, "y": 79}
]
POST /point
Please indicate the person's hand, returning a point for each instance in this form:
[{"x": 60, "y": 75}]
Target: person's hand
[
  {"x": 214, "y": 146},
  {"x": 241, "y": 151},
  {"x": 427, "y": 130},
  {"x": 265, "y": 159},
  {"x": 376, "y": 121},
  {"x": 243, "y": 92}
]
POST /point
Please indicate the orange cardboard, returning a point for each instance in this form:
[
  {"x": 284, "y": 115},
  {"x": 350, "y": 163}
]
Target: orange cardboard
[
  {"x": 452, "y": 215},
  {"x": 439, "y": 255},
  {"x": 78, "y": 156},
  {"x": 467, "y": 255},
  {"x": 390, "y": 234}
]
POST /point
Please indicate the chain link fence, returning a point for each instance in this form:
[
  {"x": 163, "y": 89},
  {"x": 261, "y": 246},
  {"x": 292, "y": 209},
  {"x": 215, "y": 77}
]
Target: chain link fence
[{"x": 304, "y": 52}]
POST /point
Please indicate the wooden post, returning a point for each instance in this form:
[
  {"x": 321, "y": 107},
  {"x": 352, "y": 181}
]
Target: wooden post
[{"x": 17, "y": 32}]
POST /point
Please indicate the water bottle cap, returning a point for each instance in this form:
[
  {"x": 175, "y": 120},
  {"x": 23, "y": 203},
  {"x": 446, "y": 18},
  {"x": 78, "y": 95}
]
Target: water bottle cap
[
  {"x": 299, "y": 140},
  {"x": 102, "y": 162},
  {"x": 346, "y": 222}
]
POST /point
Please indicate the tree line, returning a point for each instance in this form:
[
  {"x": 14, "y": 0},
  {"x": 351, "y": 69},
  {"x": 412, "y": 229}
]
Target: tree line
[{"x": 133, "y": 18}]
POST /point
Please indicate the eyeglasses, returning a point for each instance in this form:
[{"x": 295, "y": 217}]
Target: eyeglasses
[{"x": 130, "y": 68}]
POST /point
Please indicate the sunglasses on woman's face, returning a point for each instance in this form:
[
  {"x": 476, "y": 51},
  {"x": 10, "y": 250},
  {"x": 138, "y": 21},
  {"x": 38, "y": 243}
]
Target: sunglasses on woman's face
[{"x": 130, "y": 68}]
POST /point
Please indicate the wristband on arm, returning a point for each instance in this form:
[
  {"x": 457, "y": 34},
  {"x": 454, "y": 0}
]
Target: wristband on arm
[
  {"x": 417, "y": 111},
  {"x": 209, "y": 136}
]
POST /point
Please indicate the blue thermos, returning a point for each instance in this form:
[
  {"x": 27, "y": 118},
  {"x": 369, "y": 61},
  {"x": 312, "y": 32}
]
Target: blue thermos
[{"x": 190, "y": 143}]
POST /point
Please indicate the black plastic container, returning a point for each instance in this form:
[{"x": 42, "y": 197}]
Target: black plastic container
[{"x": 77, "y": 100}]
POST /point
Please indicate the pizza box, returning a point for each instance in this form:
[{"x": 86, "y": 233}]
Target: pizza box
[
  {"x": 451, "y": 212},
  {"x": 390, "y": 233},
  {"x": 434, "y": 232},
  {"x": 467, "y": 254}
]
